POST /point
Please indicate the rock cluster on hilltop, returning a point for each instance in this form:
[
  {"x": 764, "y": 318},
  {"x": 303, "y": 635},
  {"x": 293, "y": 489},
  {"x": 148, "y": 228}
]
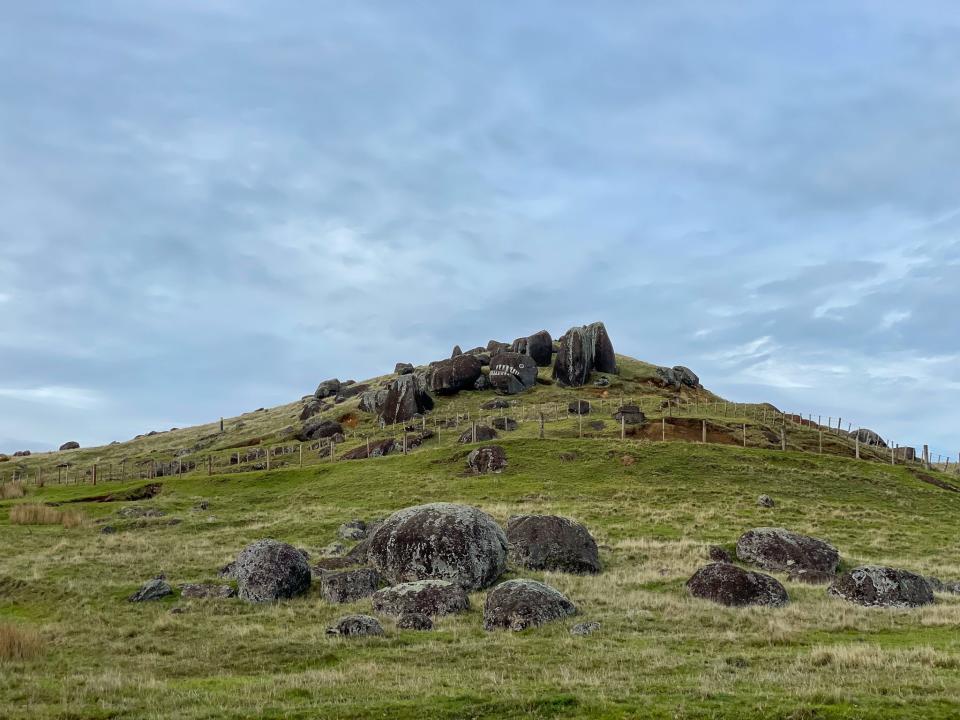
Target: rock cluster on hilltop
[{"x": 581, "y": 351}]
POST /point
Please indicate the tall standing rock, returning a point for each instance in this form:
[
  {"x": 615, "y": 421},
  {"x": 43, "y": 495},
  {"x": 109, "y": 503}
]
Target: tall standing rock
[
  {"x": 583, "y": 350},
  {"x": 406, "y": 397},
  {"x": 458, "y": 373},
  {"x": 512, "y": 373},
  {"x": 539, "y": 346}
]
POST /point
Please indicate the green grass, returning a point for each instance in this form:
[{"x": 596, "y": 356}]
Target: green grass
[{"x": 659, "y": 653}]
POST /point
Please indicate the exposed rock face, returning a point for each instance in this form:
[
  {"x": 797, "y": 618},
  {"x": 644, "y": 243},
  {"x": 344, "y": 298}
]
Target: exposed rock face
[
  {"x": 310, "y": 408},
  {"x": 512, "y": 373},
  {"x": 352, "y": 530},
  {"x": 495, "y": 404},
  {"x": 539, "y": 346},
  {"x": 520, "y": 604},
  {"x": 780, "y": 549},
  {"x": 414, "y": 621},
  {"x": 440, "y": 541},
  {"x": 406, "y": 397},
  {"x": 402, "y": 369},
  {"x": 428, "y": 597},
  {"x": 765, "y": 501},
  {"x": 71, "y": 445},
  {"x": 456, "y": 351},
  {"x": 356, "y": 626},
  {"x": 319, "y": 428},
  {"x": 328, "y": 388},
  {"x": 346, "y": 586},
  {"x": 373, "y": 401},
  {"x": 504, "y": 423},
  {"x": 380, "y": 448},
  {"x": 730, "y": 585},
  {"x": 458, "y": 373},
  {"x": 483, "y": 382},
  {"x": 155, "y": 589},
  {"x": 873, "y": 585},
  {"x": 551, "y": 542},
  {"x": 869, "y": 437},
  {"x": 485, "y": 433},
  {"x": 269, "y": 570},
  {"x": 494, "y": 347},
  {"x": 204, "y": 590},
  {"x": 579, "y": 407},
  {"x": 583, "y": 350},
  {"x": 686, "y": 376},
  {"x": 718, "y": 554},
  {"x": 668, "y": 377},
  {"x": 489, "y": 459},
  {"x": 630, "y": 415}
]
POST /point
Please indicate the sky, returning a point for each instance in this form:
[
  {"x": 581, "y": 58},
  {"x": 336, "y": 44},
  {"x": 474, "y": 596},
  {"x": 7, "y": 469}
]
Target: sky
[{"x": 210, "y": 206}]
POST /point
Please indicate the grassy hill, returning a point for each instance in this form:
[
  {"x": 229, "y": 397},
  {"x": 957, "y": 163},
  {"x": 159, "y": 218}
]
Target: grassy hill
[{"x": 653, "y": 506}]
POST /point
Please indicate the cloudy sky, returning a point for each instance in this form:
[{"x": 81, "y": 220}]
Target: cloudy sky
[{"x": 209, "y": 206}]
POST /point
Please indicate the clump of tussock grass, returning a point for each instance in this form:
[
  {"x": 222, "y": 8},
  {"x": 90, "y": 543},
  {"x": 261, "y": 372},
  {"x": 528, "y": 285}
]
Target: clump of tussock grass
[
  {"x": 37, "y": 514},
  {"x": 12, "y": 490},
  {"x": 18, "y": 643}
]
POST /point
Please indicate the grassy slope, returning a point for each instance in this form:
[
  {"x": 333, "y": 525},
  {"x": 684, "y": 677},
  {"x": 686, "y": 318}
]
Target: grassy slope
[{"x": 659, "y": 654}]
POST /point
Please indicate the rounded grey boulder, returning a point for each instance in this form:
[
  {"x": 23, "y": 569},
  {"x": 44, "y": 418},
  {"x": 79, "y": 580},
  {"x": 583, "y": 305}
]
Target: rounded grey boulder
[
  {"x": 440, "y": 541},
  {"x": 155, "y": 589},
  {"x": 551, "y": 542},
  {"x": 427, "y": 597},
  {"x": 269, "y": 570},
  {"x": 780, "y": 549},
  {"x": 520, "y": 604},
  {"x": 731, "y": 585},
  {"x": 356, "y": 626},
  {"x": 489, "y": 459},
  {"x": 346, "y": 586},
  {"x": 414, "y": 621},
  {"x": 512, "y": 373},
  {"x": 877, "y": 586}
]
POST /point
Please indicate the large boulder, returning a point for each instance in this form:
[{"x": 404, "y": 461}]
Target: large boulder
[
  {"x": 403, "y": 368},
  {"x": 630, "y": 415},
  {"x": 579, "y": 407},
  {"x": 869, "y": 437},
  {"x": 356, "y": 626},
  {"x": 429, "y": 597},
  {"x": 583, "y": 350},
  {"x": 318, "y": 428},
  {"x": 442, "y": 541},
  {"x": 551, "y": 542},
  {"x": 876, "y": 586},
  {"x": 456, "y": 374},
  {"x": 483, "y": 433},
  {"x": 71, "y": 445},
  {"x": 731, "y": 585},
  {"x": 347, "y": 586},
  {"x": 489, "y": 459},
  {"x": 310, "y": 408},
  {"x": 495, "y": 347},
  {"x": 407, "y": 396},
  {"x": 780, "y": 549},
  {"x": 539, "y": 346},
  {"x": 686, "y": 376},
  {"x": 520, "y": 604},
  {"x": 328, "y": 388},
  {"x": 373, "y": 401},
  {"x": 512, "y": 373},
  {"x": 269, "y": 570}
]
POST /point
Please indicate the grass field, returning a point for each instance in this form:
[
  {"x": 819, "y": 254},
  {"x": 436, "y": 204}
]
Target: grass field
[{"x": 653, "y": 507}]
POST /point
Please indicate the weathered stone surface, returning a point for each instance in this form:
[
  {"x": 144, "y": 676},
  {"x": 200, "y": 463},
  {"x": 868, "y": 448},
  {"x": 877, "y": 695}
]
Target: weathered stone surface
[
  {"x": 378, "y": 448},
  {"x": 482, "y": 383},
  {"x": 512, "y": 373},
  {"x": 504, "y": 423},
  {"x": 539, "y": 346},
  {"x": 869, "y": 437},
  {"x": 484, "y": 433},
  {"x": 414, "y": 621},
  {"x": 228, "y": 571},
  {"x": 328, "y": 388},
  {"x": 489, "y": 459},
  {"x": 730, "y": 585},
  {"x": 458, "y": 373},
  {"x": 429, "y": 597},
  {"x": 581, "y": 351},
  {"x": 495, "y": 404},
  {"x": 155, "y": 589},
  {"x": 373, "y": 401},
  {"x": 355, "y": 529},
  {"x": 520, "y": 604},
  {"x": 206, "y": 590},
  {"x": 457, "y": 352},
  {"x": 346, "y": 586},
  {"x": 495, "y": 347},
  {"x": 686, "y": 376},
  {"x": 630, "y": 415},
  {"x": 668, "y": 377},
  {"x": 356, "y": 626},
  {"x": 718, "y": 554},
  {"x": 319, "y": 428},
  {"x": 269, "y": 570},
  {"x": 442, "y": 541},
  {"x": 579, "y": 407},
  {"x": 585, "y": 628},
  {"x": 877, "y": 586},
  {"x": 310, "y": 408},
  {"x": 551, "y": 542},
  {"x": 403, "y": 368},
  {"x": 780, "y": 549},
  {"x": 70, "y": 445},
  {"x": 407, "y": 396},
  {"x": 765, "y": 501}
]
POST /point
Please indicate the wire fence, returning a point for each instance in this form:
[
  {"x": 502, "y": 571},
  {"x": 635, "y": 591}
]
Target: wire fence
[{"x": 625, "y": 419}]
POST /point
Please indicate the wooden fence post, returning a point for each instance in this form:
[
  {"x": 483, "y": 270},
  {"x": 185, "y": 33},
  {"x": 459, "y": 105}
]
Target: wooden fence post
[
  {"x": 744, "y": 434},
  {"x": 704, "y": 432},
  {"x": 783, "y": 437},
  {"x": 856, "y": 445},
  {"x": 926, "y": 457},
  {"x": 94, "y": 473},
  {"x": 821, "y": 440},
  {"x": 333, "y": 451},
  {"x": 663, "y": 429},
  {"x": 541, "y": 425}
]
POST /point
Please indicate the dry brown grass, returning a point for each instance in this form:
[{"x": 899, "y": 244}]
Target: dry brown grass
[
  {"x": 12, "y": 490},
  {"x": 36, "y": 514},
  {"x": 18, "y": 643}
]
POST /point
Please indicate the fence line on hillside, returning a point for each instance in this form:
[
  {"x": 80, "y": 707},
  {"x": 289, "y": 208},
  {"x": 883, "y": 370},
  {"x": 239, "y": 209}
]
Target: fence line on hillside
[{"x": 761, "y": 419}]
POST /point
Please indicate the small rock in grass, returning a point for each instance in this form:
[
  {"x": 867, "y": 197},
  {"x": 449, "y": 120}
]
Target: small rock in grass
[
  {"x": 346, "y": 586},
  {"x": 733, "y": 586},
  {"x": 352, "y": 530},
  {"x": 155, "y": 589},
  {"x": 520, "y": 604},
  {"x": 356, "y": 626},
  {"x": 585, "y": 628},
  {"x": 414, "y": 621},
  {"x": 429, "y": 597},
  {"x": 765, "y": 501},
  {"x": 718, "y": 554}
]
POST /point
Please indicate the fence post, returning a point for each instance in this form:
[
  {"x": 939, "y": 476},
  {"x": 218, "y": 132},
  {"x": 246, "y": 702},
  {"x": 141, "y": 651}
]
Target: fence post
[
  {"x": 404, "y": 441},
  {"x": 744, "y": 434},
  {"x": 704, "y": 432},
  {"x": 821, "y": 440},
  {"x": 623, "y": 426},
  {"x": 926, "y": 457},
  {"x": 580, "y": 419},
  {"x": 333, "y": 451},
  {"x": 209, "y": 465},
  {"x": 783, "y": 437},
  {"x": 663, "y": 429},
  {"x": 268, "y": 459},
  {"x": 856, "y": 445},
  {"x": 94, "y": 473}
]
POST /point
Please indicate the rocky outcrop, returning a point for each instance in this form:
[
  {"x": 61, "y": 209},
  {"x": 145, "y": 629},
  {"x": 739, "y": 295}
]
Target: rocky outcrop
[
  {"x": 504, "y": 423},
  {"x": 489, "y": 459},
  {"x": 70, "y": 445},
  {"x": 155, "y": 589},
  {"x": 428, "y": 597},
  {"x": 730, "y": 585},
  {"x": 457, "y": 352},
  {"x": 406, "y": 397},
  {"x": 494, "y": 347},
  {"x": 269, "y": 570},
  {"x": 328, "y": 388},
  {"x": 459, "y": 373},
  {"x": 356, "y": 626},
  {"x": 868, "y": 437},
  {"x": 520, "y": 604},
  {"x": 512, "y": 373},
  {"x": 402, "y": 369},
  {"x": 630, "y": 415},
  {"x": 346, "y": 586},
  {"x": 378, "y": 448},
  {"x": 579, "y": 407},
  {"x": 551, "y": 542},
  {"x": 780, "y": 549},
  {"x": 355, "y": 529},
  {"x": 373, "y": 401},
  {"x": 539, "y": 346},
  {"x": 877, "y": 586},
  {"x": 583, "y": 350},
  {"x": 484, "y": 433},
  {"x": 319, "y": 428},
  {"x": 441, "y": 541}
]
